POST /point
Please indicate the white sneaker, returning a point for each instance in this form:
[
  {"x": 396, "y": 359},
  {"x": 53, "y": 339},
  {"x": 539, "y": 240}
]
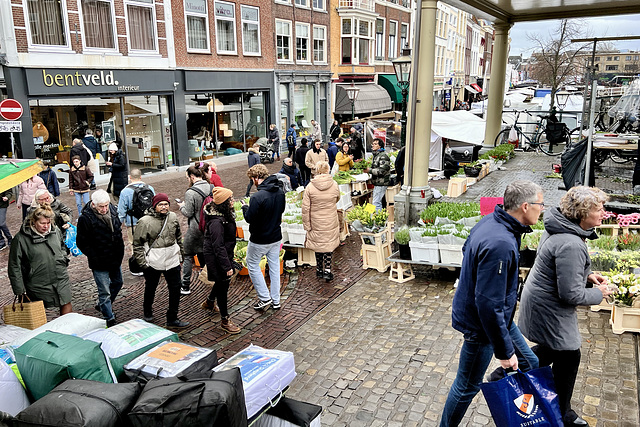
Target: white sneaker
[
  {"x": 185, "y": 290},
  {"x": 136, "y": 274}
]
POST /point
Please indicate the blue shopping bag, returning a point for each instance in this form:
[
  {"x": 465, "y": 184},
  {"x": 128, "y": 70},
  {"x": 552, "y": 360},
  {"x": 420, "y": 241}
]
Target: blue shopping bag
[
  {"x": 524, "y": 399},
  {"x": 70, "y": 240}
]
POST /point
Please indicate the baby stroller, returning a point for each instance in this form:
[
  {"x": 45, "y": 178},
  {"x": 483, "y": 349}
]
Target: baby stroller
[{"x": 266, "y": 150}]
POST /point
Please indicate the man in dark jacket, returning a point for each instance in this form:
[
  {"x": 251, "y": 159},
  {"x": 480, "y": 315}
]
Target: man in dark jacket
[
  {"x": 356, "y": 144},
  {"x": 5, "y": 198},
  {"x": 301, "y": 155},
  {"x": 253, "y": 159},
  {"x": 399, "y": 164},
  {"x": 289, "y": 169},
  {"x": 264, "y": 214},
  {"x": 79, "y": 150},
  {"x": 380, "y": 172},
  {"x": 91, "y": 142},
  {"x": 291, "y": 140},
  {"x": 50, "y": 178},
  {"x": 331, "y": 153},
  {"x": 274, "y": 140},
  {"x": 100, "y": 239},
  {"x": 485, "y": 301}
]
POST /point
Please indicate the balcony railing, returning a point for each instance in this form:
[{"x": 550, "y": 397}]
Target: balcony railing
[{"x": 368, "y": 5}]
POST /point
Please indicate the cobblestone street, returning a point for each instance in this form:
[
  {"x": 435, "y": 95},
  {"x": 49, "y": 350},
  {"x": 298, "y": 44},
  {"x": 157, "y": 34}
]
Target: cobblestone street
[{"x": 373, "y": 352}]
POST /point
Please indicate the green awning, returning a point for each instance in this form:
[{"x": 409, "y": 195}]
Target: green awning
[
  {"x": 14, "y": 172},
  {"x": 390, "y": 83}
]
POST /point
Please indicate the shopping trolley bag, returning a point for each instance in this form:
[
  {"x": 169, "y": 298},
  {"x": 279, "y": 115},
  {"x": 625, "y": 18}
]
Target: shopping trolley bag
[{"x": 524, "y": 399}]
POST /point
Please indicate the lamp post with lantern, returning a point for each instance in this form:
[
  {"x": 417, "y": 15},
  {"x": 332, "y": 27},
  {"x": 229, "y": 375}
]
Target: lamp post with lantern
[
  {"x": 352, "y": 93},
  {"x": 402, "y": 68}
]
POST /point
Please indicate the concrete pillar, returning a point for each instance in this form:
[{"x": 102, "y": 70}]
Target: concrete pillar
[
  {"x": 415, "y": 194},
  {"x": 496, "y": 88}
]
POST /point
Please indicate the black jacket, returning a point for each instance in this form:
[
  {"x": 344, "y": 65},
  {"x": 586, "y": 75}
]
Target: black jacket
[
  {"x": 274, "y": 138},
  {"x": 8, "y": 194},
  {"x": 119, "y": 178},
  {"x": 80, "y": 151},
  {"x": 51, "y": 181},
  {"x": 264, "y": 212},
  {"x": 294, "y": 175},
  {"x": 300, "y": 156},
  {"x": 357, "y": 146},
  {"x": 219, "y": 243},
  {"x": 103, "y": 247},
  {"x": 334, "y": 132}
]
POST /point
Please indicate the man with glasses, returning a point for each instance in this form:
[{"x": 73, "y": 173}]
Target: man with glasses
[
  {"x": 380, "y": 172},
  {"x": 100, "y": 239},
  {"x": 485, "y": 300}
]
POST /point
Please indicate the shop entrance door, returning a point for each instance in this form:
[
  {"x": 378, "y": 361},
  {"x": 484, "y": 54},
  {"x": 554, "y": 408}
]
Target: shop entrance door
[{"x": 147, "y": 132}]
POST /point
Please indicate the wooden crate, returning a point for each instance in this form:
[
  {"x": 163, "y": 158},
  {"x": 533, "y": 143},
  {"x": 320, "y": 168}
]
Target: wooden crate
[
  {"x": 391, "y": 211},
  {"x": 359, "y": 186},
  {"x": 615, "y": 228},
  {"x": 344, "y": 225},
  {"x": 375, "y": 256},
  {"x": 457, "y": 186},
  {"x": 306, "y": 257},
  {"x": 625, "y": 319},
  {"x": 391, "y": 193}
]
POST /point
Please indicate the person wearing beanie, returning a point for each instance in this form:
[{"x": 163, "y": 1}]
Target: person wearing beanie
[
  {"x": 219, "y": 244},
  {"x": 117, "y": 164},
  {"x": 160, "y": 231}
]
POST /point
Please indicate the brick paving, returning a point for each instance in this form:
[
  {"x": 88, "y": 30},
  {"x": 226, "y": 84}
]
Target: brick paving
[{"x": 370, "y": 351}]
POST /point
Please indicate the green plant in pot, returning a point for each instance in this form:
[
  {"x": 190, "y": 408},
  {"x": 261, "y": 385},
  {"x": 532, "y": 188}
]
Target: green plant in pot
[{"x": 402, "y": 238}]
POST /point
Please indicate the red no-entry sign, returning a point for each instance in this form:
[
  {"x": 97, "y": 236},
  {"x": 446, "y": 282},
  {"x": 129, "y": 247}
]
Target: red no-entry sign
[{"x": 10, "y": 109}]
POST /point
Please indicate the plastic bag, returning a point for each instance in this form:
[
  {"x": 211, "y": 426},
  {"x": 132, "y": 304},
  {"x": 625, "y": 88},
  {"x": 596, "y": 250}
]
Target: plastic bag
[
  {"x": 513, "y": 135},
  {"x": 524, "y": 399},
  {"x": 70, "y": 240}
]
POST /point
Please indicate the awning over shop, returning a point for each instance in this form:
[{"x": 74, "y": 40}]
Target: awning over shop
[
  {"x": 476, "y": 87},
  {"x": 371, "y": 98},
  {"x": 390, "y": 83},
  {"x": 470, "y": 89}
]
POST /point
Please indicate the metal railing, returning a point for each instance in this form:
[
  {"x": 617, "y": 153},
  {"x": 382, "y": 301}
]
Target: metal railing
[{"x": 368, "y": 5}]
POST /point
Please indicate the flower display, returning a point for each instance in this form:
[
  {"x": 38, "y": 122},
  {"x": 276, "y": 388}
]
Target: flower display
[
  {"x": 627, "y": 220},
  {"x": 627, "y": 287}
]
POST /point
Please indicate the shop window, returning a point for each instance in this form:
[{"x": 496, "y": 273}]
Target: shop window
[
  {"x": 226, "y": 27},
  {"x": 319, "y": 44},
  {"x": 393, "y": 41},
  {"x": 380, "y": 39},
  {"x": 47, "y": 23},
  {"x": 304, "y": 105},
  {"x": 302, "y": 43},
  {"x": 141, "y": 25},
  {"x": 97, "y": 17},
  {"x": 197, "y": 25},
  {"x": 250, "y": 30},
  {"x": 283, "y": 40},
  {"x": 404, "y": 30}
]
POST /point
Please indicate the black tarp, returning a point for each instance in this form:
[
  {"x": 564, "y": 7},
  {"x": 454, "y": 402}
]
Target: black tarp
[{"x": 573, "y": 162}]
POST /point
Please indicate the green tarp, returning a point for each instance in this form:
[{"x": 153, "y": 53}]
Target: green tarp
[{"x": 14, "y": 172}]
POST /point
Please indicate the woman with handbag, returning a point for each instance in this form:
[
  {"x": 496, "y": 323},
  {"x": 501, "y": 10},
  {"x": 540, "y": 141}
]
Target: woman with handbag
[
  {"x": 219, "y": 243},
  {"x": 557, "y": 285},
  {"x": 38, "y": 263},
  {"x": 160, "y": 231}
]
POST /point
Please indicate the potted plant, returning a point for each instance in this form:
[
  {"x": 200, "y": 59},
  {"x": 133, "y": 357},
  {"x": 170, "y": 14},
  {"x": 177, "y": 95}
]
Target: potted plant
[
  {"x": 472, "y": 170},
  {"x": 402, "y": 238},
  {"x": 625, "y": 316}
]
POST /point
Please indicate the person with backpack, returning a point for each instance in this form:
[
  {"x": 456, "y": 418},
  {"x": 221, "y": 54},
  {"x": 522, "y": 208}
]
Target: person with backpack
[
  {"x": 134, "y": 201},
  {"x": 291, "y": 140},
  {"x": 300, "y": 157},
  {"x": 253, "y": 159},
  {"x": 50, "y": 178},
  {"x": 191, "y": 208}
]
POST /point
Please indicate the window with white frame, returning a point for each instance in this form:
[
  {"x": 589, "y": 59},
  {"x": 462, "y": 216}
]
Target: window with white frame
[
  {"x": 47, "y": 22},
  {"x": 302, "y": 3},
  {"x": 404, "y": 31},
  {"x": 97, "y": 19},
  {"x": 357, "y": 37},
  {"x": 318, "y": 4},
  {"x": 283, "y": 40},
  {"x": 141, "y": 25},
  {"x": 197, "y": 25},
  {"x": 379, "y": 39},
  {"x": 225, "y": 27},
  {"x": 319, "y": 44},
  {"x": 250, "y": 30},
  {"x": 393, "y": 41},
  {"x": 302, "y": 43}
]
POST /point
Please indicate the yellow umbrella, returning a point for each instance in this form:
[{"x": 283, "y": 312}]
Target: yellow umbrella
[{"x": 15, "y": 172}]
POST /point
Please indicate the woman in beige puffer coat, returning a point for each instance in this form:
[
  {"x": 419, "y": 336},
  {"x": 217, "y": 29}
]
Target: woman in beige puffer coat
[{"x": 320, "y": 218}]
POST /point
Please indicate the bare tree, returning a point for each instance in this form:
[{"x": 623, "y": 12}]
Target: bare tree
[{"x": 555, "y": 57}]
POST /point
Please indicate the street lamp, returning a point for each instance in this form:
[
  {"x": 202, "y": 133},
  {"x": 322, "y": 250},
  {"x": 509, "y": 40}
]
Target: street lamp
[
  {"x": 456, "y": 91},
  {"x": 402, "y": 67},
  {"x": 562, "y": 97},
  {"x": 352, "y": 93}
]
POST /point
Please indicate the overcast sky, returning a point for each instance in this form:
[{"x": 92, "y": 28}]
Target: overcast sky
[{"x": 611, "y": 26}]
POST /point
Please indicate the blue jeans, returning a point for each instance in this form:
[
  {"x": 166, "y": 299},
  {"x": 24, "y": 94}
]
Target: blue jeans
[
  {"x": 474, "y": 359},
  {"x": 81, "y": 200},
  {"x": 109, "y": 284},
  {"x": 255, "y": 253},
  {"x": 378, "y": 194},
  {"x": 527, "y": 359}
]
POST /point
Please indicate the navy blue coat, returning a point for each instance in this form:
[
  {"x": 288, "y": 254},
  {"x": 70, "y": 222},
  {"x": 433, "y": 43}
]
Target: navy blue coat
[
  {"x": 331, "y": 152},
  {"x": 291, "y": 137},
  {"x": 51, "y": 181},
  {"x": 485, "y": 300}
]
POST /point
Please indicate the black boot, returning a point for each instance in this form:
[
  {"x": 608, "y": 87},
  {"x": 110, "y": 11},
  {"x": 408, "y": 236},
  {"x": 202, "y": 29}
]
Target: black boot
[
  {"x": 327, "y": 274},
  {"x": 319, "y": 264}
]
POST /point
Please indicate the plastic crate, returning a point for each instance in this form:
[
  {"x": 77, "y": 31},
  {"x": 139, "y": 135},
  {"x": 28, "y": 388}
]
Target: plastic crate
[
  {"x": 375, "y": 256},
  {"x": 451, "y": 254},
  {"x": 306, "y": 257},
  {"x": 297, "y": 236},
  {"x": 391, "y": 193},
  {"x": 245, "y": 232},
  {"x": 425, "y": 252}
]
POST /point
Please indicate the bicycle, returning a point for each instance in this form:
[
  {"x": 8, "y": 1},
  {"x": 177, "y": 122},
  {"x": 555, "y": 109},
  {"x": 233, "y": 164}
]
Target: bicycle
[{"x": 540, "y": 138}]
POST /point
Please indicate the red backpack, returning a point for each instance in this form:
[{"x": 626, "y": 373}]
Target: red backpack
[{"x": 200, "y": 218}]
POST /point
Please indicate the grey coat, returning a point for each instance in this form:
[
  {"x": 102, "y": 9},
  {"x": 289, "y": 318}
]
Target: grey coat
[
  {"x": 193, "y": 238},
  {"x": 557, "y": 285}
]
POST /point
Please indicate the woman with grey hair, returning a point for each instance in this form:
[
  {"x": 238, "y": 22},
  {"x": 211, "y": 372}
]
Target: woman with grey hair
[
  {"x": 560, "y": 280},
  {"x": 62, "y": 211}
]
